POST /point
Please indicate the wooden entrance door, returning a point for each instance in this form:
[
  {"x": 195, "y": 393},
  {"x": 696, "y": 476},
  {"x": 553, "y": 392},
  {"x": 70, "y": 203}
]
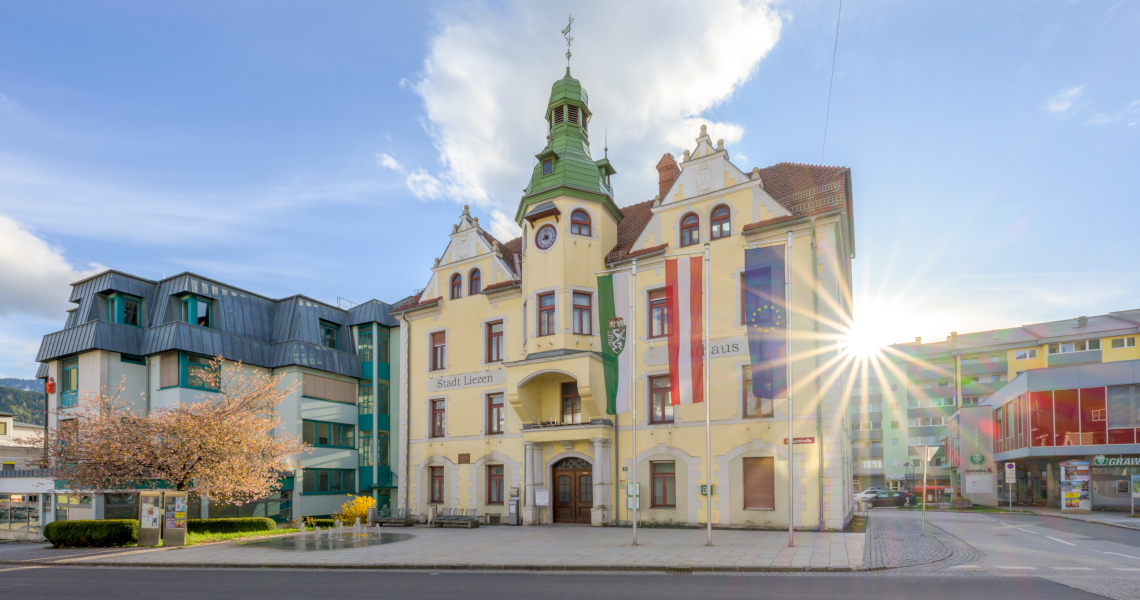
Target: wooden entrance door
[{"x": 573, "y": 491}]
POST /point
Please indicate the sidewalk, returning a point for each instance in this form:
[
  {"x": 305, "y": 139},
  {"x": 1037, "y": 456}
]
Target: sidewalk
[
  {"x": 501, "y": 548},
  {"x": 1116, "y": 519}
]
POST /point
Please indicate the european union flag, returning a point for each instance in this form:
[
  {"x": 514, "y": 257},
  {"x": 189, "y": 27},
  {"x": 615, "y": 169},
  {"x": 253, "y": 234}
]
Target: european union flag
[{"x": 766, "y": 317}]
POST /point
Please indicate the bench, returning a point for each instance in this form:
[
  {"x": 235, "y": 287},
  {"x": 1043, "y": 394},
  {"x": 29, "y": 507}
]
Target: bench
[
  {"x": 458, "y": 517},
  {"x": 401, "y": 517}
]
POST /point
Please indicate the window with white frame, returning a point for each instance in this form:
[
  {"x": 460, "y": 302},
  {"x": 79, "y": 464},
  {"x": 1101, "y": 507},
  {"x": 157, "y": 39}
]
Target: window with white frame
[
  {"x": 1129, "y": 342},
  {"x": 1025, "y": 354},
  {"x": 1079, "y": 346}
]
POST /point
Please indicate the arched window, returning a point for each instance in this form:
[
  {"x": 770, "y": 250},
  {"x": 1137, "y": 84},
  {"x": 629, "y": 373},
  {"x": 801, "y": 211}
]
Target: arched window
[
  {"x": 580, "y": 223},
  {"x": 456, "y": 286},
  {"x": 721, "y": 222},
  {"x": 475, "y": 283},
  {"x": 690, "y": 230}
]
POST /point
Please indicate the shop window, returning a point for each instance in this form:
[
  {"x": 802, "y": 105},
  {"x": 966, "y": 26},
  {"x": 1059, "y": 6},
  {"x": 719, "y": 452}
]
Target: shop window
[
  {"x": 1067, "y": 417},
  {"x": 1094, "y": 420},
  {"x": 664, "y": 484},
  {"x": 1123, "y": 413}
]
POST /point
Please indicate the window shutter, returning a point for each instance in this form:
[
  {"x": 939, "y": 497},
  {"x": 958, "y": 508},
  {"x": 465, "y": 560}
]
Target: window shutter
[
  {"x": 657, "y": 294},
  {"x": 574, "y": 115},
  {"x": 327, "y": 388},
  {"x": 558, "y": 116},
  {"x": 760, "y": 482},
  {"x": 168, "y": 370}
]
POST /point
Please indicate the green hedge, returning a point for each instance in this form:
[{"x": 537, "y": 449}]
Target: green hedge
[
  {"x": 92, "y": 534},
  {"x": 230, "y": 525},
  {"x": 322, "y": 523}
]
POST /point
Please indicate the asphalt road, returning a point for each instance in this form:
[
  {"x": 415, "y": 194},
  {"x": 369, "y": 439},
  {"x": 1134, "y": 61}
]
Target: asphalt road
[{"x": 255, "y": 584}]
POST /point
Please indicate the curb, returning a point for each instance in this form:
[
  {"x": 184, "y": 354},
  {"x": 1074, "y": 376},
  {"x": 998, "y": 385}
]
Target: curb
[
  {"x": 664, "y": 569},
  {"x": 1117, "y": 525}
]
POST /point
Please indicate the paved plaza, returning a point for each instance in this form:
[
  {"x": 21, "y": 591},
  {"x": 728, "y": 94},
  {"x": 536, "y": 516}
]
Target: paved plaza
[{"x": 551, "y": 547}]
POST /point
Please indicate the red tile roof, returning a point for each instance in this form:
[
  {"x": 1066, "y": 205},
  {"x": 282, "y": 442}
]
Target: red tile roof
[
  {"x": 805, "y": 190},
  {"x": 411, "y": 305},
  {"x": 635, "y": 218},
  {"x": 500, "y": 285}
]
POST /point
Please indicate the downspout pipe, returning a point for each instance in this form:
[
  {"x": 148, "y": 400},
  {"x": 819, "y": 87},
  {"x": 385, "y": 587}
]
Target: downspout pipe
[
  {"x": 407, "y": 415},
  {"x": 818, "y": 382}
]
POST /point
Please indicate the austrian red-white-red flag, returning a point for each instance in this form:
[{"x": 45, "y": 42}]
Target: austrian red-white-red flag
[{"x": 684, "y": 286}]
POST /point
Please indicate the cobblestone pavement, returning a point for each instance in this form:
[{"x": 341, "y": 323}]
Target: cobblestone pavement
[
  {"x": 505, "y": 548},
  {"x": 896, "y": 542}
]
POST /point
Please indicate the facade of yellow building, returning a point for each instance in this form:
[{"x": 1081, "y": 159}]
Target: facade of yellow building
[{"x": 504, "y": 393}]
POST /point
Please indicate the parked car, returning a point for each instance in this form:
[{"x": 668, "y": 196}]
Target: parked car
[
  {"x": 889, "y": 498},
  {"x": 870, "y": 492}
]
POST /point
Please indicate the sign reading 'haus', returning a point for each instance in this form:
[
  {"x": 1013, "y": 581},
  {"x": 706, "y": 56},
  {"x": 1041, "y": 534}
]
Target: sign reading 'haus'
[{"x": 466, "y": 380}]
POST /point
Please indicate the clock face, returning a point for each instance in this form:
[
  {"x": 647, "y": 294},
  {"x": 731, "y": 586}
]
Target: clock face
[{"x": 545, "y": 237}]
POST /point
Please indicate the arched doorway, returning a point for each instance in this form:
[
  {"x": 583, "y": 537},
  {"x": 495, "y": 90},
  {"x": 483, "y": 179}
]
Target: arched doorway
[{"x": 573, "y": 490}]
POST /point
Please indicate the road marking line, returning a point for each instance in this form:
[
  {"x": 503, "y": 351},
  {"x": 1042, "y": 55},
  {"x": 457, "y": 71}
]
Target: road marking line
[
  {"x": 1073, "y": 568},
  {"x": 1062, "y": 541},
  {"x": 1022, "y": 568},
  {"x": 1124, "y": 569},
  {"x": 19, "y": 568},
  {"x": 1124, "y": 555},
  {"x": 1027, "y": 531},
  {"x": 965, "y": 567}
]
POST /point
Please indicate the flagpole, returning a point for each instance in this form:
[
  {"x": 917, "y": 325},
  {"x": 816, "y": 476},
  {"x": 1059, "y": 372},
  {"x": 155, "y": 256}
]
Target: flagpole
[
  {"x": 791, "y": 439},
  {"x": 708, "y": 400},
  {"x": 633, "y": 388}
]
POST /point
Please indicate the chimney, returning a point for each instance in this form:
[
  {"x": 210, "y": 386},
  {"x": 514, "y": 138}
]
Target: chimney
[
  {"x": 667, "y": 172},
  {"x": 918, "y": 340},
  {"x": 1082, "y": 322},
  {"x": 953, "y": 337}
]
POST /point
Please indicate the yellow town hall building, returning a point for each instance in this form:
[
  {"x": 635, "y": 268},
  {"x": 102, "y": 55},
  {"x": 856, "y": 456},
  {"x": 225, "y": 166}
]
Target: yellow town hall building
[{"x": 504, "y": 394}]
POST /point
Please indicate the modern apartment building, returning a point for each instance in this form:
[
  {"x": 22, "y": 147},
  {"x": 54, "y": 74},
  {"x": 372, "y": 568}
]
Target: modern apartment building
[
  {"x": 157, "y": 337},
  {"x": 912, "y": 398}
]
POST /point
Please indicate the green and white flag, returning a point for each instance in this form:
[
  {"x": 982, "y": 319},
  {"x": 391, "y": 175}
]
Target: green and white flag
[{"x": 614, "y": 318}]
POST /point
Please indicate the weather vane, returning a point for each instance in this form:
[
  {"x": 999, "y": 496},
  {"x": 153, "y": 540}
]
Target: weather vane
[{"x": 569, "y": 40}]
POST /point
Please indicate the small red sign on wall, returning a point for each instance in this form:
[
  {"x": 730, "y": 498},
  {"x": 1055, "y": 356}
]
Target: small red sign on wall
[{"x": 801, "y": 440}]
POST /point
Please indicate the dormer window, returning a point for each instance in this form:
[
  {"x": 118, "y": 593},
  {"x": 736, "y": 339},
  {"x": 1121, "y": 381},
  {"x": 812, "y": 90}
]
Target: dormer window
[
  {"x": 548, "y": 166},
  {"x": 124, "y": 309},
  {"x": 328, "y": 334},
  {"x": 574, "y": 115},
  {"x": 197, "y": 311},
  {"x": 456, "y": 287}
]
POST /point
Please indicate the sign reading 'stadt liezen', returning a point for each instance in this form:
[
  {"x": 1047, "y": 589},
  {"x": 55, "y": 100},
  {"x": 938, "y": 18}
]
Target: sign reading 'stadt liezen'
[{"x": 466, "y": 380}]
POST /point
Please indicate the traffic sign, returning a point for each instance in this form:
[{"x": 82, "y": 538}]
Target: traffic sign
[{"x": 1010, "y": 472}]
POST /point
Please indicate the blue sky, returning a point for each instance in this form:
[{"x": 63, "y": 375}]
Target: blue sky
[{"x": 327, "y": 149}]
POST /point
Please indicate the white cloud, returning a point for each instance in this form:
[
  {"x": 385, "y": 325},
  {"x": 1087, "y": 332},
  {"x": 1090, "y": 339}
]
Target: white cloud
[
  {"x": 503, "y": 227},
  {"x": 1065, "y": 102},
  {"x": 1129, "y": 115},
  {"x": 36, "y": 275},
  {"x": 388, "y": 162},
  {"x": 650, "y": 73}
]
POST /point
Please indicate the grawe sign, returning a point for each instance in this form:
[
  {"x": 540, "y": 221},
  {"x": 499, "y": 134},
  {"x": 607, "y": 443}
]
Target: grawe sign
[
  {"x": 466, "y": 380},
  {"x": 801, "y": 440},
  {"x": 1119, "y": 461}
]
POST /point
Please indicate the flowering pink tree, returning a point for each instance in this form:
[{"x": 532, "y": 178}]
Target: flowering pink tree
[{"x": 221, "y": 446}]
